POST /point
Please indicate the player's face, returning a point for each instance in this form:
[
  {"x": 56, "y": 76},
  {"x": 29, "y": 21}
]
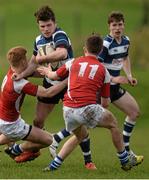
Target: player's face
[
  {"x": 116, "y": 29},
  {"x": 47, "y": 28}
]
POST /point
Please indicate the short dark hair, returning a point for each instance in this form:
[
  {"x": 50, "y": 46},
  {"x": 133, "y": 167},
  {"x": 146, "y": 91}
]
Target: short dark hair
[
  {"x": 16, "y": 55},
  {"x": 45, "y": 13},
  {"x": 115, "y": 16},
  {"x": 94, "y": 43}
]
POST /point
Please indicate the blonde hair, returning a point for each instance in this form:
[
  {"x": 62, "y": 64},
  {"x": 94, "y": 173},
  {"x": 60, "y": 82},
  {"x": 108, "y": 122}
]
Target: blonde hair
[{"x": 16, "y": 56}]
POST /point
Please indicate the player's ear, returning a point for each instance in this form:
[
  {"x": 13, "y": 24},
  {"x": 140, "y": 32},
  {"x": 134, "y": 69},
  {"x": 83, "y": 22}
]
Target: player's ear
[{"x": 84, "y": 49}]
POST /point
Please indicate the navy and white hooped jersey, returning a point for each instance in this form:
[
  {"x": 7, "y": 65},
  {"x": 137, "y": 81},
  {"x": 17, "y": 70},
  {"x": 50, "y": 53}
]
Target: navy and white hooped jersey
[
  {"x": 113, "y": 54},
  {"x": 58, "y": 39}
]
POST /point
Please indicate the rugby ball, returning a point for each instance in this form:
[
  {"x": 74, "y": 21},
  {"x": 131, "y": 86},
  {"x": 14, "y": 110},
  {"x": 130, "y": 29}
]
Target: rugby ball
[{"x": 47, "y": 49}]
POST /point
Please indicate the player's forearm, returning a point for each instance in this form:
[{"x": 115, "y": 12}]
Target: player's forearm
[
  {"x": 127, "y": 67},
  {"x": 52, "y": 75},
  {"x": 53, "y": 90},
  {"x": 55, "y": 56},
  {"x": 29, "y": 70}
]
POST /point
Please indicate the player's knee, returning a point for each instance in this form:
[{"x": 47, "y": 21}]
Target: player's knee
[
  {"x": 134, "y": 114},
  {"x": 84, "y": 136},
  {"x": 112, "y": 120},
  {"x": 48, "y": 140},
  {"x": 38, "y": 123}
]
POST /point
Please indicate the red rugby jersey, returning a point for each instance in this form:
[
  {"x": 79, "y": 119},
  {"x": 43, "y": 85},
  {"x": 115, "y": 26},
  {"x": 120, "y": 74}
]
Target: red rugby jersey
[
  {"x": 88, "y": 80},
  {"x": 12, "y": 95}
]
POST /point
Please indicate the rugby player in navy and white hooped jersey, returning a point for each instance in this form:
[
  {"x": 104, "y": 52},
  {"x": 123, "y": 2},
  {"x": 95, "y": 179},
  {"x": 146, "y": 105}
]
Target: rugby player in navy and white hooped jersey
[
  {"x": 115, "y": 57},
  {"x": 52, "y": 46}
]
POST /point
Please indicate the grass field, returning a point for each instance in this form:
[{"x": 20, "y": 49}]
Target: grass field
[{"x": 18, "y": 27}]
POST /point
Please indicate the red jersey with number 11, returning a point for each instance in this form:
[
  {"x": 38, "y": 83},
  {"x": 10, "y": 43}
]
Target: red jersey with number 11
[{"x": 87, "y": 81}]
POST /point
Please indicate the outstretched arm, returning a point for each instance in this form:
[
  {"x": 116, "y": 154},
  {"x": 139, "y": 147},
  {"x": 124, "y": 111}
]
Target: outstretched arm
[{"x": 53, "y": 90}]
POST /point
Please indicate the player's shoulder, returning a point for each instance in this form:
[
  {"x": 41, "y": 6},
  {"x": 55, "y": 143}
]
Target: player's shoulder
[
  {"x": 101, "y": 65},
  {"x": 18, "y": 85},
  {"x": 126, "y": 38},
  {"x": 59, "y": 31},
  {"x": 107, "y": 41},
  {"x": 39, "y": 39}
]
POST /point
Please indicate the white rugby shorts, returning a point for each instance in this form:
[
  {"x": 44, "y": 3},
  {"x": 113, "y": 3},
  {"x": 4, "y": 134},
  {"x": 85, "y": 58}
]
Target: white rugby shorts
[
  {"x": 89, "y": 115},
  {"x": 16, "y": 130}
]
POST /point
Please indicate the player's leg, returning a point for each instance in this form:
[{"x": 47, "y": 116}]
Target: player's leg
[
  {"x": 36, "y": 139},
  {"x": 44, "y": 107},
  {"x": 129, "y": 106},
  {"x": 74, "y": 117},
  {"x": 4, "y": 139},
  {"x": 68, "y": 147},
  {"x": 84, "y": 145},
  {"x": 107, "y": 120},
  {"x": 42, "y": 112},
  {"x": 58, "y": 137}
]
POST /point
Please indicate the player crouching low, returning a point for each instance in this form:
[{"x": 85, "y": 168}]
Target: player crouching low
[{"x": 12, "y": 126}]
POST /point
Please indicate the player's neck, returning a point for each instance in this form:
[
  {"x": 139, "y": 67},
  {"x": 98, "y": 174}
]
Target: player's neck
[
  {"x": 90, "y": 54},
  {"x": 117, "y": 38},
  {"x": 16, "y": 70}
]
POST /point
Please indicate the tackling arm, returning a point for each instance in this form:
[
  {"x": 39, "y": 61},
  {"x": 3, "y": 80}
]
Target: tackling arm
[{"x": 53, "y": 90}]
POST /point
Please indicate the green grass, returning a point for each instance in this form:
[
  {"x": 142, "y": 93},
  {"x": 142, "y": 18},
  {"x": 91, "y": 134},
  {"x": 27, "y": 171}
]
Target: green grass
[
  {"x": 79, "y": 17},
  {"x": 104, "y": 156}
]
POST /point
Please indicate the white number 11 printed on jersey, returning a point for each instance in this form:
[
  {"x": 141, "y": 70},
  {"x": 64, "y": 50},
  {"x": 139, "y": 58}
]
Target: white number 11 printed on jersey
[{"x": 93, "y": 70}]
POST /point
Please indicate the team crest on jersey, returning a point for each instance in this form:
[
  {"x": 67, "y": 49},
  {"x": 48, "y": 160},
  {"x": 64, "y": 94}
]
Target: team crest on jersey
[{"x": 115, "y": 50}]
